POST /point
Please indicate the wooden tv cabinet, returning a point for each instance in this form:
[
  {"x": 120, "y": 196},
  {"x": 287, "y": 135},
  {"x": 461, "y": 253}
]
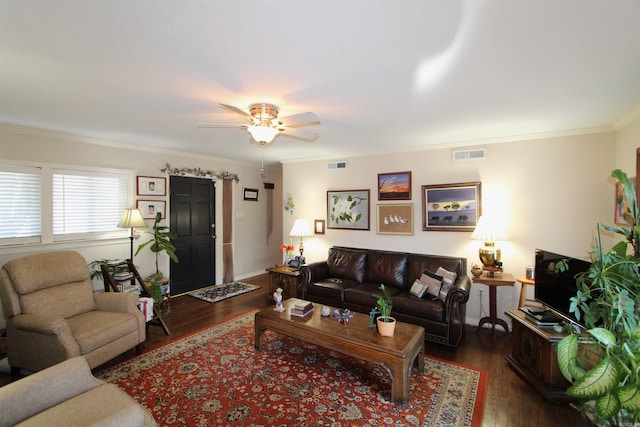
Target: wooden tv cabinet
[{"x": 533, "y": 357}]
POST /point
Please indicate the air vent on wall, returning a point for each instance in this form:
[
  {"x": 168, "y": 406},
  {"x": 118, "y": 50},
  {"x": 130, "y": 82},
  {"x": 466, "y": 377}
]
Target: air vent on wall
[
  {"x": 474, "y": 154},
  {"x": 342, "y": 164}
]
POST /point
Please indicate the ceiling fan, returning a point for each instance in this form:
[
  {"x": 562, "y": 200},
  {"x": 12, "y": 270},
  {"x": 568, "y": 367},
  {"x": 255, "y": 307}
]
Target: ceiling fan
[{"x": 264, "y": 125}]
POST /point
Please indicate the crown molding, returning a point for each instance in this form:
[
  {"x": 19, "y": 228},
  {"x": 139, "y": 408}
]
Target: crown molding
[{"x": 627, "y": 118}]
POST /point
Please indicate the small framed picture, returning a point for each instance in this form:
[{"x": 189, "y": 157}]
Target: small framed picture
[
  {"x": 250, "y": 194},
  {"x": 150, "y": 208},
  {"x": 318, "y": 226},
  {"x": 394, "y": 186},
  {"x": 395, "y": 219},
  {"x": 151, "y": 186}
]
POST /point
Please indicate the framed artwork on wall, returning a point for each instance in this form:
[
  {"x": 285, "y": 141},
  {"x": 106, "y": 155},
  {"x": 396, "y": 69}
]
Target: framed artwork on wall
[
  {"x": 151, "y": 186},
  {"x": 150, "y": 208},
  {"x": 318, "y": 226},
  {"x": 348, "y": 209},
  {"x": 395, "y": 219},
  {"x": 451, "y": 207},
  {"x": 250, "y": 194},
  {"x": 394, "y": 186}
]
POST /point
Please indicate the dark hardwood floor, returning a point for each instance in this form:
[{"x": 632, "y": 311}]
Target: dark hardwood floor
[{"x": 510, "y": 401}]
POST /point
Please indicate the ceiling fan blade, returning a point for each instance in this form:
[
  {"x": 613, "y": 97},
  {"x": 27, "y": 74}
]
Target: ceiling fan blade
[
  {"x": 304, "y": 135},
  {"x": 221, "y": 125},
  {"x": 235, "y": 110},
  {"x": 302, "y": 119}
]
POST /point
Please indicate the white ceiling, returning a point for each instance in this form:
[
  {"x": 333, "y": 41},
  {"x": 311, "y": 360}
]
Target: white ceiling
[{"x": 382, "y": 75}]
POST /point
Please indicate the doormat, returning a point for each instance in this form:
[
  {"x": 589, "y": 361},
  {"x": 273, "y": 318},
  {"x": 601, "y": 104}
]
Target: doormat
[
  {"x": 216, "y": 377},
  {"x": 217, "y": 293}
]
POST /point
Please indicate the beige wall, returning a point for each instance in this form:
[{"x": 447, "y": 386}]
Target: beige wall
[
  {"x": 551, "y": 191},
  {"x": 252, "y": 253}
]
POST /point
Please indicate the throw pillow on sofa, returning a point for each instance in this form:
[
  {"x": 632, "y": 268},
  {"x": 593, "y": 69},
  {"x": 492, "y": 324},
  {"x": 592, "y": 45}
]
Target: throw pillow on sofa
[
  {"x": 448, "y": 279},
  {"x": 433, "y": 282},
  {"x": 418, "y": 288}
]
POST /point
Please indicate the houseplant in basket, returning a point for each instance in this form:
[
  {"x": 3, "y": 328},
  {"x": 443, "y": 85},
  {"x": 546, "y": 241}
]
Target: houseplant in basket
[
  {"x": 386, "y": 324},
  {"x": 604, "y": 365},
  {"x": 160, "y": 241}
]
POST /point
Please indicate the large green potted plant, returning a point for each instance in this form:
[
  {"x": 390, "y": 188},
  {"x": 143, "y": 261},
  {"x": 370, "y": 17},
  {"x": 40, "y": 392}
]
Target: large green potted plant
[
  {"x": 604, "y": 362},
  {"x": 160, "y": 241}
]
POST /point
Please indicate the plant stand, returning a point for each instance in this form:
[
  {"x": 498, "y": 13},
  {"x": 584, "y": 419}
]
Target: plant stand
[{"x": 115, "y": 285}]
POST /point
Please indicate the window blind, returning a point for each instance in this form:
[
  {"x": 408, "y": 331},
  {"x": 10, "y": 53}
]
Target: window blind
[
  {"x": 87, "y": 202},
  {"x": 20, "y": 198}
]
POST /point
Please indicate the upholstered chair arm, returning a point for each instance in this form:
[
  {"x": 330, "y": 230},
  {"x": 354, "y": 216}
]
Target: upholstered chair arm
[
  {"x": 124, "y": 303},
  {"x": 39, "y": 341},
  {"x": 456, "y": 308},
  {"x": 49, "y": 325},
  {"x": 120, "y": 302},
  {"x": 36, "y": 393},
  {"x": 310, "y": 273}
]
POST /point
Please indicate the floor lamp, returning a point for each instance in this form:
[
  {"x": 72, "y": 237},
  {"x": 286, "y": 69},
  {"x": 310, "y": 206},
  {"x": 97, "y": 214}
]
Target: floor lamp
[{"x": 132, "y": 218}]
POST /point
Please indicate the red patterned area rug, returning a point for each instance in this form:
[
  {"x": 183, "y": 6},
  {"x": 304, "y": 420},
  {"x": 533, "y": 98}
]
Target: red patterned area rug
[{"x": 216, "y": 377}]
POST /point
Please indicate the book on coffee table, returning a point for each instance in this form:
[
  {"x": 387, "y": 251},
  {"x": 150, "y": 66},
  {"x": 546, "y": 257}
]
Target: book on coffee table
[{"x": 301, "y": 309}]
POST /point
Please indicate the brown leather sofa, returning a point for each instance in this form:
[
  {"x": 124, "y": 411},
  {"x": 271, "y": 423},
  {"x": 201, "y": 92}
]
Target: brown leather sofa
[{"x": 351, "y": 277}]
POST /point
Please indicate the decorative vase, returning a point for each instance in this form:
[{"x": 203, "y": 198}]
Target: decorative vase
[
  {"x": 476, "y": 271},
  {"x": 386, "y": 326}
]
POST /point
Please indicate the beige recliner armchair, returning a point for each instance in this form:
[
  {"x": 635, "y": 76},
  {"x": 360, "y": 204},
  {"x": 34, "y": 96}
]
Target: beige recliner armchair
[{"x": 53, "y": 314}]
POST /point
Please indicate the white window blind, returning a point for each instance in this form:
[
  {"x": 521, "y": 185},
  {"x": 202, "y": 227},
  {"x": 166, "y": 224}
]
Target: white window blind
[
  {"x": 20, "y": 198},
  {"x": 87, "y": 202}
]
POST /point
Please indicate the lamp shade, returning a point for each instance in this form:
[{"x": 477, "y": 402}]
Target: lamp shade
[
  {"x": 131, "y": 218},
  {"x": 262, "y": 134},
  {"x": 489, "y": 230},
  {"x": 300, "y": 228}
]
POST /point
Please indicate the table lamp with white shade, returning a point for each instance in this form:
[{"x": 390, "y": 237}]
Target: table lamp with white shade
[
  {"x": 301, "y": 229},
  {"x": 490, "y": 231}
]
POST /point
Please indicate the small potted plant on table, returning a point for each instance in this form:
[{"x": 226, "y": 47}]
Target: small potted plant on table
[{"x": 386, "y": 324}]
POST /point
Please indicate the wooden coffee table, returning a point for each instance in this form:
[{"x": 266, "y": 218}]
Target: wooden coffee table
[{"x": 356, "y": 338}]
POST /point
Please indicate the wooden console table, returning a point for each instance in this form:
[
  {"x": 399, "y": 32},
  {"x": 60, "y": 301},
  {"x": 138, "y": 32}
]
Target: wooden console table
[
  {"x": 534, "y": 358},
  {"x": 286, "y": 278},
  {"x": 502, "y": 279}
]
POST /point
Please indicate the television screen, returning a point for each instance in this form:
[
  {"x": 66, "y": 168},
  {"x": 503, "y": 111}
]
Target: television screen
[{"x": 555, "y": 289}]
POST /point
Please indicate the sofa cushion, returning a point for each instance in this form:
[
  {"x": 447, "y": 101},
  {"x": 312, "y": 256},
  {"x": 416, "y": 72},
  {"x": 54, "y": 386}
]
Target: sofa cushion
[
  {"x": 423, "y": 308},
  {"x": 330, "y": 288},
  {"x": 366, "y": 294},
  {"x": 346, "y": 263},
  {"x": 448, "y": 279},
  {"x": 433, "y": 282},
  {"x": 386, "y": 267}
]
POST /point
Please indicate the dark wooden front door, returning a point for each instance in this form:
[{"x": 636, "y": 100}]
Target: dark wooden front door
[{"x": 192, "y": 205}]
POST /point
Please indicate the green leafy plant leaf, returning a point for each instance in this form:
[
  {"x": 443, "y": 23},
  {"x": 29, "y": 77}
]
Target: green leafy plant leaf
[
  {"x": 608, "y": 405},
  {"x": 630, "y": 397},
  {"x": 598, "y": 381}
]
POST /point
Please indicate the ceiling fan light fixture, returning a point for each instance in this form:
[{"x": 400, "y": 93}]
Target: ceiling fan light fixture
[{"x": 262, "y": 134}]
